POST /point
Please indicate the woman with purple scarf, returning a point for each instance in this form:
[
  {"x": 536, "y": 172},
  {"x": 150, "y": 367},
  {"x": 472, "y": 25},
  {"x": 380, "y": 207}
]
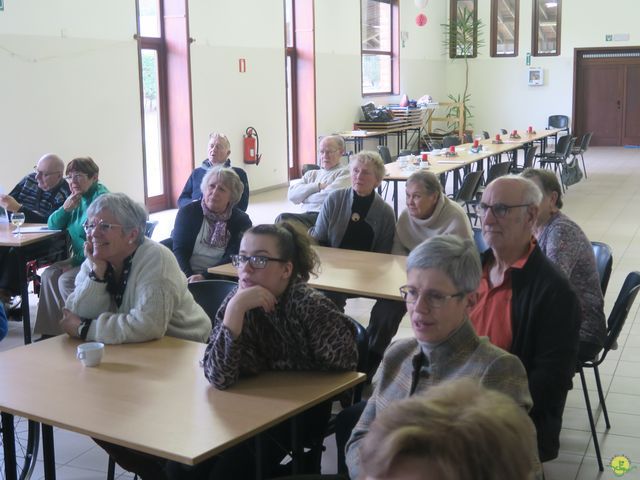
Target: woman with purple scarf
[{"x": 208, "y": 232}]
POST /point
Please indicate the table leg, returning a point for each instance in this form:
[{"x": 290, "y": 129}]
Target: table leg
[
  {"x": 395, "y": 198},
  {"x": 48, "y": 452},
  {"x": 9, "y": 446},
  {"x": 24, "y": 294},
  {"x": 258, "y": 441},
  {"x": 296, "y": 448}
]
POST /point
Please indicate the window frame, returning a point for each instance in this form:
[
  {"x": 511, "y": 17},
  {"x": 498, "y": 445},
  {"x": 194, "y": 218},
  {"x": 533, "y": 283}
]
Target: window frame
[
  {"x": 494, "y": 30},
  {"x": 535, "y": 26},
  {"x": 453, "y": 16},
  {"x": 393, "y": 54}
]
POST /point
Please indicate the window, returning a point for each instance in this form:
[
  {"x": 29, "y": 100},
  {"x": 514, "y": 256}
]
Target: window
[
  {"x": 546, "y": 27},
  {"x": 379, "y": 30},
  {"x": 463, "y": 28},
  {"x": 504, "y": 28}
]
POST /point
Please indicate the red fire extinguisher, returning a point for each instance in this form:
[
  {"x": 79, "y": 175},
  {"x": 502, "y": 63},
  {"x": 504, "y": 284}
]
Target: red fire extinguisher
[{"x": 251, "y": 146}]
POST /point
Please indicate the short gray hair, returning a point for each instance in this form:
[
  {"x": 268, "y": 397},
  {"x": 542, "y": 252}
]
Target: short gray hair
[
  {"x": 427, "y": 180},
  {"x": 222, "y": 137},
  {"x": 456, "y": 257},
  {"x": 129, "y": 213},
  {"x": 337, "y": 139},
  {"x": 368, "y": 157},
  {"x": 227, "y": 177},
  {"x": 548, "y": 180},
  {"x": 531, "y": 194}
]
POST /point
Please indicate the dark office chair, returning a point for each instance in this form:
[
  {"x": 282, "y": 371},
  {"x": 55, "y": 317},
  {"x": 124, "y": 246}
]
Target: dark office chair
[
  {"x": 481, "y": 245},
  {"x": 503, "y": 131},
  {"x": 558, "y": 121},
  {"x": 466, "y": 194},
  {"x": 468, "y": 138},
  {"x": 616, "y": 320},
  {"x": 580, "y": 147},
  {"x": 604, "y": 263},
  {"x": 150, "y": 227},
  {"x": 384, "y": 152},
  {"x": 528, "y": 160},
  {"x": 308, "y": 167},
  {"x": 558, "y": 158},
  {"x": 209, "y": 294},
  {"x": 450, "y": 141},
  {"x": 486, "y": 135}
]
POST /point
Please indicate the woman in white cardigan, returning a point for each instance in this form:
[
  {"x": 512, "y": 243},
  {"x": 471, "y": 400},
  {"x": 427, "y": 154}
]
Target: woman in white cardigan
[{"x": 130, "y": 288}]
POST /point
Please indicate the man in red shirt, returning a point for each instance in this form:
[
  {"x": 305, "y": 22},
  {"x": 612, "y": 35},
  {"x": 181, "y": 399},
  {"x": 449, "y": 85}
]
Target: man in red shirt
[{"x": 525, "y": 304}]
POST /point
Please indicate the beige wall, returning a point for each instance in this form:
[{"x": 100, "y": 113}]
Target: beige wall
[{"x": 70, "y": 82}]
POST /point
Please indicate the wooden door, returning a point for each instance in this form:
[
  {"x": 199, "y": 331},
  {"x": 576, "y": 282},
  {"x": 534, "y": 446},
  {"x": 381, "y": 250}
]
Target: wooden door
[{"x": 606, "y": 96}]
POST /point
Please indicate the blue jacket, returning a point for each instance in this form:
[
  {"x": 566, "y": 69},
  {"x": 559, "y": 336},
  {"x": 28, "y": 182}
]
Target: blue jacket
[
  {"x": 4, "y": 326},
  {"x": 185, "y": 230}
]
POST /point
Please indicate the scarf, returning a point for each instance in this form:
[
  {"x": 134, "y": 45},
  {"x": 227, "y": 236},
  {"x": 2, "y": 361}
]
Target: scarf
[{"x": 217, "y": 226}]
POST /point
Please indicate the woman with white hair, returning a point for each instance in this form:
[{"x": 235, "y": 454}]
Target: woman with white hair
[
  {"x": 129, "y": 288},
  {"x": 208, "y": 232}
]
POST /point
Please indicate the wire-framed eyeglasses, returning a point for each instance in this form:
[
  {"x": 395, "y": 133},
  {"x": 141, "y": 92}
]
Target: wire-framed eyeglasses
[{"x": 433, "y": 299}]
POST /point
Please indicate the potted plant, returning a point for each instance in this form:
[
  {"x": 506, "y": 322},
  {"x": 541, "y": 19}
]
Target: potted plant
[{"x": 463, "y": 36}]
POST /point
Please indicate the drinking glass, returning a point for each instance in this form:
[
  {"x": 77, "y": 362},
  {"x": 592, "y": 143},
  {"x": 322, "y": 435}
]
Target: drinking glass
[{"x": 17, "y": 219}]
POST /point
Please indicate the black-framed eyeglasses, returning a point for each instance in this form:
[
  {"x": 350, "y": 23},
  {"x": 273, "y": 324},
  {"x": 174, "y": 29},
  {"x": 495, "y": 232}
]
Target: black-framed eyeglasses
[
  {"x": 433, "y": 299},
  {"x": 103, "y": 227},
  {"x": 256, "y": 261},
  {"x": 499, "y": 210},
  {"x": 74, "y": 177},
  {"x": 44, "y": 174}
]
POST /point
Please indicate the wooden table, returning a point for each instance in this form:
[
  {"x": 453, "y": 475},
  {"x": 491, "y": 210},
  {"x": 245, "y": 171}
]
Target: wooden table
[
  {"x": 365, "y": 274},
  {"x": 152, "y": 397},
  {"x": 17, "y": 244}
]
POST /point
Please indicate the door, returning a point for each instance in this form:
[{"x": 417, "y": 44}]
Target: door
[{"x": 606, "y": 99}]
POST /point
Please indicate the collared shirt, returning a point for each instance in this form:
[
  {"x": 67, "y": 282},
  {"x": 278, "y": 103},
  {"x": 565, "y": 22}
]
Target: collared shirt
[{"x": 491, "y": 315}]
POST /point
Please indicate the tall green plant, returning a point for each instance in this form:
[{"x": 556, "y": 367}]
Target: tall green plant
[{"x": 463, "y": 37}]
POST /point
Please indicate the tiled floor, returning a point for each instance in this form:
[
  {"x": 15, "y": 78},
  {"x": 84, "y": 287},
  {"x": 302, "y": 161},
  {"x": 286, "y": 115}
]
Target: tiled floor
[{"x": 606, "y": 206}]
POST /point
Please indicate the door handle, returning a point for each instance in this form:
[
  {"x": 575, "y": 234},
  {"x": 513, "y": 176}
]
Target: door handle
[{"x": 618, "y": 104}]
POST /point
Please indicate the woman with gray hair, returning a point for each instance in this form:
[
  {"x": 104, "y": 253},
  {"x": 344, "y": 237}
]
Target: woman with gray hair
[
  {"x": 129, "y": 288},
  {"x": 208, "y": 232},
  {"x": 443, "y": 274}
]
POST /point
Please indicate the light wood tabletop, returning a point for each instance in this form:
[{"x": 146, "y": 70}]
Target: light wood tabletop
[
  {"x": 8, "y": 239},
  {"x": 153, "y": 396},
  {"x": 365, "y": 274}
]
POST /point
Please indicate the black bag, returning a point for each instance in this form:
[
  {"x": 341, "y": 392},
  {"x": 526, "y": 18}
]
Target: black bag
[
  {"x": 373, "y": 114},
  {"x": 571, "y": 172}
]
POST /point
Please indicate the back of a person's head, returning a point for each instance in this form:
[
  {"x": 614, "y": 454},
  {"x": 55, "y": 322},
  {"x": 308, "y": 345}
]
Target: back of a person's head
[{"x": 457, "y": 431}]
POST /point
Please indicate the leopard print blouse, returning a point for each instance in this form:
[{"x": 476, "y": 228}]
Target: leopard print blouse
[{"x": 305, "y": 332}]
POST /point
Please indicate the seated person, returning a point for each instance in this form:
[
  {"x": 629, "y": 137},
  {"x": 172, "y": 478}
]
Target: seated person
[
  {"x": 566, "y": 245},
  {"x": 208, "y": 232},
  {"x": 357, "y": 218},
  {"x": 429, "y": 213},
  {"x": 542, "y": 316},
  {"x": 443, "y": 274},
  {"x": 130, "y": 288},
  {"x": 37, "y": 195},
  {"x": 315, "y": 185},
  {"x": 456, "y": 430},
  {"x": 4, "y": 326},
  {"x": 275, "y": 321},
  {"x": 218, "y": 150},
  {"x": 58, "y": 279}
]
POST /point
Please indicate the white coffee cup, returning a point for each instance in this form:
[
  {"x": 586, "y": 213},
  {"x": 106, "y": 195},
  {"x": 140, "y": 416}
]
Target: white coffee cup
[{"x": 90, "y": 353}]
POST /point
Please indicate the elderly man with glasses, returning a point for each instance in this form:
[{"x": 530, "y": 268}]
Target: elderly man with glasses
[
  {"x": 315, "y": 185},
  {"x": 37, "y": 195},
  {"x": 525, "y": 304}
]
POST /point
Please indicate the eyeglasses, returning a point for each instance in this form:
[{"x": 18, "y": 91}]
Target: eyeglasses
[
  {"x": 44, "y": 174},
  {"x": 330, "y": 152},
  {"x": 433, "y": 299},
  {"x": 74, "y": 177},
  {"x": 499, "y": 210},
  {"x": 256, "y": 261},
  {"x": 103, "y": 227}
]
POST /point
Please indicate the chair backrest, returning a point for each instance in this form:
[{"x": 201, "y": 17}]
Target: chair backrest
[
  {"x": 528, "y": 159},
  {"x": 586, "y": 140},
  {"x": 450, "y": 141},
  {"x": 486, "y": 135},
  {"x": 503, "y": 131},
  {"x": 481, "y": 245},
  {"x": 564, "y": 145},
  {"x": 468, "y": 138},
  {"x": 309, "y": 166},
  {"x": 209, "y": 294},
  {"x": 469, "y": 187},
  {"x": 497, "y": 170},
  {"x": 604, "y": 262},
  {"x": 362, "y": 341},
  {"x": 558, "y": 121},
  {"x": 384, "y": 152},
  {"x": 149, "y": 228},
  {"x": 620, "y": 310}
]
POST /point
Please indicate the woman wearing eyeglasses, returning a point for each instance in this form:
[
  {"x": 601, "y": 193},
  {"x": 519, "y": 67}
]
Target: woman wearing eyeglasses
[
  {"x": 130, "y": 288},
  {"x": 207, "y": 232},
  {"x": 443, "y": 274},
  {"x": 275, "y": 321},
  {"x": 58, "y": 279}
]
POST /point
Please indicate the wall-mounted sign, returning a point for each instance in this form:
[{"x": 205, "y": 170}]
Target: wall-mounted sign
[{"x": 535, "y": 76}]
